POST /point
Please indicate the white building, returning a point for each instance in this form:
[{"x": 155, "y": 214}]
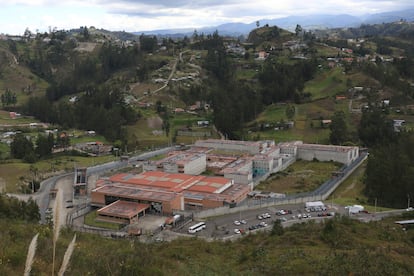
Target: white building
[
  {"x": 252, "y": 147},
  {"x": 188, "y": 163},
  {"x": 341, "y": 154}
]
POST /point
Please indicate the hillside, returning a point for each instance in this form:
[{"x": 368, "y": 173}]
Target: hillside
[
  {"x": 340, "y": 246},
  {"x": 149, "y": 92}
]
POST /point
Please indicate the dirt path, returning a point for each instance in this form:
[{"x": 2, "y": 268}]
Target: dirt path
[{"x": 154, "y": 122}]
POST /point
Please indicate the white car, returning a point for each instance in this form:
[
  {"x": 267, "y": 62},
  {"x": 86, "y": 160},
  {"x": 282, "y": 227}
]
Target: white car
[
  {"x": 263, "y": 224},
  {"x": 237, "y": 231},
  {"x": 236, "y": 222},
  {"x": 410, "y": 209},
  {"x": 243, "y": 221}
]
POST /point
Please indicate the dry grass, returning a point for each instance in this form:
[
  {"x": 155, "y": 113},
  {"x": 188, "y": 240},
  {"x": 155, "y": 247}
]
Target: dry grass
[
  {"x": 66, "y": 258},
  {"x": 30, "y": 255}
]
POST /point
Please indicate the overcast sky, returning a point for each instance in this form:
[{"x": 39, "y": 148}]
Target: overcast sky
[{"x": 144, "y": 15}]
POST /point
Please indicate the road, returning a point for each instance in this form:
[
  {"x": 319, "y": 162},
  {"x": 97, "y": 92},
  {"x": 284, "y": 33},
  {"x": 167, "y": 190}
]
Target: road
[
  {"x": 222, "y": 227},
  {"x": 64, "y": 183}
]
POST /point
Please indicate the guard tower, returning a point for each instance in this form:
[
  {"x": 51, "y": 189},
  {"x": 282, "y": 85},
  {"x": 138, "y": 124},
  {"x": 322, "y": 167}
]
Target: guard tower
[{"x": 80, "y": 182}]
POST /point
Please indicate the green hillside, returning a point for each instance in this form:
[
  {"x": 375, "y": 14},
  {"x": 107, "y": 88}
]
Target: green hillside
[{"x": 340, "y": 246}]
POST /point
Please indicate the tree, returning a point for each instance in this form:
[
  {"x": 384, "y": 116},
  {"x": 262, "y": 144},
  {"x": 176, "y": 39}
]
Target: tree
[
  {"x": 374, "y": 127},
  {"x": 277, "y": 229},
  {"x": 290, "y": 111},
  {"x": 338, "y": 127},
  {"x": 44, "y": 145},
  {"x": 298, "y": 30},
  {"x": 21, "y": 146},
  {"x": 390, "y": 171}
]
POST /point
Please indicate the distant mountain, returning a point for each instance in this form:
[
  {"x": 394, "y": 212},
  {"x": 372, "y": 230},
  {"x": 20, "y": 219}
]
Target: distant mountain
[{"x": 321, "y": 21}]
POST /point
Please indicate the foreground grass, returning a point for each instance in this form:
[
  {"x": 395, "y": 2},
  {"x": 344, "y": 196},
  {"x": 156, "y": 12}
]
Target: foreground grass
[{"x": 338, "y": 247}]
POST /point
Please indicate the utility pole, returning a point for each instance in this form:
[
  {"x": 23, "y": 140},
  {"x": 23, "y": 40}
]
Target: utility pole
[
  {"x": 375, "y": 208},
  {"x": 408, "y": 200}
]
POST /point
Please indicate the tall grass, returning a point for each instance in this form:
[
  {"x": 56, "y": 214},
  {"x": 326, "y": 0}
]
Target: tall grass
[
  {"x": 67, "y": 256},
  {"x": 57, "y": 225},
  {"x": 30, "y": 255}
]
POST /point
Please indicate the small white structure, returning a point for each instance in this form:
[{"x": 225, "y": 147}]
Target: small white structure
[
  {"x": 314, "y": 204},
  {"x": 355, "y": 209}
]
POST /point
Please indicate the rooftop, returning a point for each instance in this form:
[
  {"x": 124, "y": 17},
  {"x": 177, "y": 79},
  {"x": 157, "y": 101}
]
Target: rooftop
[
  {"x": 123, "y": 209},
  {"x": 325, "y": 147},
  {"x": 172, "y": 182}
]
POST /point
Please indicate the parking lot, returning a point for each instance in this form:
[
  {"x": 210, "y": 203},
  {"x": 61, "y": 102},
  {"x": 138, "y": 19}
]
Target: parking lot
[{"x": 259, "y": 219}]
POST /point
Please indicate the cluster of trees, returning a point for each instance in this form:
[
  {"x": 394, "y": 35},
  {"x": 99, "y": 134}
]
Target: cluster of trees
[
  {"x": 392, "y": 75},
  {"x": 8, "y": 98},
  {"x": 102, "y": 109},
  {"x": 235, "y": 102},
  {"x": 284, "y": 82},
  {"x": 24, "y": 148},
  {"x": 390, "y": 168},
  {"x": 12, "y": 208},
  {"x": 390, "y": 172}
]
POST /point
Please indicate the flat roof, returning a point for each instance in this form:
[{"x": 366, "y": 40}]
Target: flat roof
[
  {"x": 181, "y": 158},
  {"x": 172, "y": 182},
  {"x": 326, "y": 147},
  {"x": 227, "y": 142},
  {"x": 213, "y": 185},
  {"x": 134, "y": 192},
  {"x": 123, "y": 209}
]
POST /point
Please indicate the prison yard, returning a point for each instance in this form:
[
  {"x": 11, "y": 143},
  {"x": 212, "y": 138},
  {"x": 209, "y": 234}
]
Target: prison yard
[{"x": 301, "y": 176}]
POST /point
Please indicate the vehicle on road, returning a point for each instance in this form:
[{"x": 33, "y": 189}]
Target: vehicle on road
[
  {"x": 196, "y": 227},
  {"x": 237, "y": 231}
]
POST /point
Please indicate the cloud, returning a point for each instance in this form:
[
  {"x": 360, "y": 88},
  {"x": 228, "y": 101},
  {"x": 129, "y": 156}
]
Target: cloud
[{"x": 141, "y": 15}]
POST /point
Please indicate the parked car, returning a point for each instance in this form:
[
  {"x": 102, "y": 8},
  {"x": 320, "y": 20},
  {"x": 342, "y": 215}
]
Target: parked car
[
  {"x": 236, "y": 222},
  {"x": 237, "y": 231},
  {"x": 243, "y": 221}
]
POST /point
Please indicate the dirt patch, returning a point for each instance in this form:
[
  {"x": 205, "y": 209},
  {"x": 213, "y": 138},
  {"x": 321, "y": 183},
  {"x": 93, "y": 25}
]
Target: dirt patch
[
  {"x": 2, "y": 185},
  {"x": 154, "y": 122}
]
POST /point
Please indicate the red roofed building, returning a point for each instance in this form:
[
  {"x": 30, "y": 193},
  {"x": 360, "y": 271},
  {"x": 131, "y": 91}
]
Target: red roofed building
[{"x": 166, "y": 192}]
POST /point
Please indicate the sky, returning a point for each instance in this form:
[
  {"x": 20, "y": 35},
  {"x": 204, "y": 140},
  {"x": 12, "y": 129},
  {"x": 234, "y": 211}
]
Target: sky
[{"x": 145, "y": 15}]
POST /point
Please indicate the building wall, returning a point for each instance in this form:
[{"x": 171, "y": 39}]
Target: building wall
[
  {"x": 196, "y": 166},
  {"x": 344, "y": 157},
  {"x": 97, "y": 198},
  {"x": 252, "y": 148},
  {"x": 242, "y": 178},
  {"x": 176, "y": 204}
]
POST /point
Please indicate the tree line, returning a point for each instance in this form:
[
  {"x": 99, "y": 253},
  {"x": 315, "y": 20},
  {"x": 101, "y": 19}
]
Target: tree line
[
  {"x": 12, "y": 208},
  {"x": 101, "y": 109}
]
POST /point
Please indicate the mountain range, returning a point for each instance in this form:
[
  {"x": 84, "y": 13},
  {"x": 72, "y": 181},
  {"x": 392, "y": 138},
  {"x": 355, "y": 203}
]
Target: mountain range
[{"x": 310, "y": 22}]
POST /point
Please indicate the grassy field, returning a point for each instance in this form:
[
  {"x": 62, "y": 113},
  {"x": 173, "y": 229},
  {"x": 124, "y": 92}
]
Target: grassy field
[
  {"x": 327, "y": 83},
  {"x": 14, "y": 173},
  {"x": 302, "y": 176}
]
